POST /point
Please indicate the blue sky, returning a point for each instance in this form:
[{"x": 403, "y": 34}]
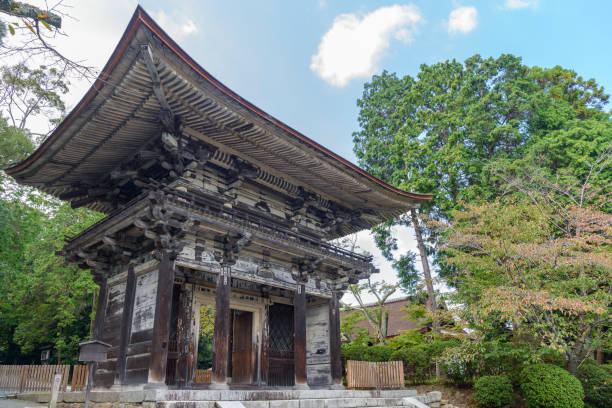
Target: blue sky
[
  {"x": 264, "y": 49},
  {"x": 305, "y": 62}
]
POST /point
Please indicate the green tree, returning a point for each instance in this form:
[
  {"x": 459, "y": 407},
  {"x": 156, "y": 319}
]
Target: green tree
[
  {"x": 539, "y": 262},
  {"x": 439, "y": 131}
]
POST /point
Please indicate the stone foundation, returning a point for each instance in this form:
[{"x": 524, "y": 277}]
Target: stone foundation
[{"x": 248, "y": 399}]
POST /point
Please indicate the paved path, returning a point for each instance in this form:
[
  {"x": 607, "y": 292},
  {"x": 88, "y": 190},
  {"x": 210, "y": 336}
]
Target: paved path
[{"x": 13, "y": 403}]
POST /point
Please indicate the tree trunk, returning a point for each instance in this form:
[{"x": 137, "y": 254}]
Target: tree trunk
[{"x": 431, "y": 297}]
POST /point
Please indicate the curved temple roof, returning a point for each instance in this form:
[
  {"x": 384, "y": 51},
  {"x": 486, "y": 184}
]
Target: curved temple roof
[{"x": 120, "y": 114}]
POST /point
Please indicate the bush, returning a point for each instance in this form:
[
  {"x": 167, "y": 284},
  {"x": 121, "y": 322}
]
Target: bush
[
  {"x": 417, "y": 364},
  {"x": 597, "y": 384},
  {"x": 420, "y": 360},
  {"x": 550, "y": 386},
  {"x": 363, "y": 352},
  {"x": 494, "y": 391}
]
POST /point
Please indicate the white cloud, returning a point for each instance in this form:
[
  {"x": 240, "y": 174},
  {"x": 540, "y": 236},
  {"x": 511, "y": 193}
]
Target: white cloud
[
  {"x": 463, "y": 20},
  {"x": 176, "y": 25},
  {"x": 354, "y": 46},
  {"x": 519, "y": 4}
]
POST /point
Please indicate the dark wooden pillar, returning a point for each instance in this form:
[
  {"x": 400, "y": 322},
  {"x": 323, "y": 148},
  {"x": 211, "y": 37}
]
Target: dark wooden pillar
[
  {"x": 221, "y": 352},
  {"x": 335, "y": 340},
  {"x": 299, "y": 341},
  {"x": 265, "y": 348},
  {"x": 186, "y": 355},
  {"x": 98, "y": 333},
  {"x": 101, "y": 307},
  {"x": 126, "y": 324},
  {"x": 161, "y": 325}
]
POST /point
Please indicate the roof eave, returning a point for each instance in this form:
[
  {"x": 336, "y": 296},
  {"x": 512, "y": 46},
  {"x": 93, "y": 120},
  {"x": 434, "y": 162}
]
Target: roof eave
[{"x": 140, "y": 17}]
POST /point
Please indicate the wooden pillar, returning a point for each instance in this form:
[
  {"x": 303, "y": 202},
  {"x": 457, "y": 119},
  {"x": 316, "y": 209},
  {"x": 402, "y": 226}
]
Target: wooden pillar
[
  {"x": 264, "y": 362},
  {"x": 221, "y": 352},
  {"x": 101, "y": 307},
  {"x": 186, "y": 355},
  {"x": 98, "y": 333},
  {"x": 161, "y": 324},
  {"x": 299, "y": 341},
  {"x": 335, "y": 340},
  {"x": 126, "y": 324}
]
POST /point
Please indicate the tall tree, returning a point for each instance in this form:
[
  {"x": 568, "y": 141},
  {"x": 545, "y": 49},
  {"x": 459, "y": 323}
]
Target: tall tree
[
  {"x": 438, "y": 132},
  {"x": 540, "y": 262}
]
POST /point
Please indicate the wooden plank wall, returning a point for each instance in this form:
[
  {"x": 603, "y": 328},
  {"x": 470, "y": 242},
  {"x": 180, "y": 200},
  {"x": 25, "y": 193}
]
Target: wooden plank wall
[
  {"x": 317, "y": 344},
  {"x": 25, "y": 378},
  {"x": 139, "y": 349},
  {"x": 106, "y": 370},
  {"x": 366, "y": 374}
]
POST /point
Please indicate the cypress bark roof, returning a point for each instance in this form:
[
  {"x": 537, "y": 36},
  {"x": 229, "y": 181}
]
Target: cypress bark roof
[{"x": 119, "y": 115}]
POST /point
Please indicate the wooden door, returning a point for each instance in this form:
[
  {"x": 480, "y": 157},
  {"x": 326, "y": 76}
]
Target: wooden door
[
  {"x": 281, "y": 355},
  {"x": 242, "y": 348}
]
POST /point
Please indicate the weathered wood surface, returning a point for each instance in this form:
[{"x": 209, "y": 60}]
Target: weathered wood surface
[
  {"x": 161, "y": 325},
  {"x": 299, "y": 314},
  {"x": 317, "y": 344},
  {"x": 25, "y": 378},
  {"x": 79, "y": 378},
  {"x": 383, "y": 375},
  {"x": 335, "y": 349},
  {"x": 203, "y": 376},
  {"x": 187, "y": 355},
  {"x": 222, "y": 327},
  {"x": 126, "y": 324},
  {"x": 139, "y": 349}
]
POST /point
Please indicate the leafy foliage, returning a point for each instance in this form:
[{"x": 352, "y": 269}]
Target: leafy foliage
[
  {"x": 548, "y": 386},
  {"x": 596, "y": 381},
  {"x": 439, "y": 132},
  {"x": 494, "y": 391},
  {"x": 47, "y": 301}
]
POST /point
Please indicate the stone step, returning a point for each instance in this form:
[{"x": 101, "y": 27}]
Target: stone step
[
  {"x": 304, "y": 403},
  {"x": 270, "y": 395}
]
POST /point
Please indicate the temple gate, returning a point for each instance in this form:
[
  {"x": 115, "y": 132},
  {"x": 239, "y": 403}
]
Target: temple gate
[{"x": 209, "y": 201}]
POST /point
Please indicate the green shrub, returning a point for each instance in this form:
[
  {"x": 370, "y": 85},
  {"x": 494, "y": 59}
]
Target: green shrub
[
  {"x": 363, "y": 352},
  {"x": 597, "y": 384},
  {"x": 417, "y": 364},
  {"x": 420, "y": 360},
  {"x": 551, "y": 356},
  {"x": 494, "y": 391},
  {"x": 550, "y": 386}
]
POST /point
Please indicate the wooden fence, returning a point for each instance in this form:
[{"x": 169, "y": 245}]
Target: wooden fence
[
  {"x": 365, "y": 374},
  {"x": 203, "y": 376},
  {"x": 79, "y": 378},
  {"x": 22, "y": 378}
]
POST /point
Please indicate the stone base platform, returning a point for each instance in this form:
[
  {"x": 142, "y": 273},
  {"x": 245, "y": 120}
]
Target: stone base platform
[{"x": 243, "y": 399}]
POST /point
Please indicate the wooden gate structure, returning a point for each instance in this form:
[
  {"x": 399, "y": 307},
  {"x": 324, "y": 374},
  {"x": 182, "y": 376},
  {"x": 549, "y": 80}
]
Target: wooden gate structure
[{"x": 205, "y": 194}]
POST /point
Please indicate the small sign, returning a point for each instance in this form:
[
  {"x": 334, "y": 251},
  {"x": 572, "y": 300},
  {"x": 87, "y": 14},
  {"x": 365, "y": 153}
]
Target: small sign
[
  {"x": 57, "y": 382},
  {"x": 94, "y": 350}
]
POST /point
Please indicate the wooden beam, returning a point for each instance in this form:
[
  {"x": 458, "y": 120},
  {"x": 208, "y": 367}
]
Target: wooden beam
[{"x": 161, "y": 325}]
